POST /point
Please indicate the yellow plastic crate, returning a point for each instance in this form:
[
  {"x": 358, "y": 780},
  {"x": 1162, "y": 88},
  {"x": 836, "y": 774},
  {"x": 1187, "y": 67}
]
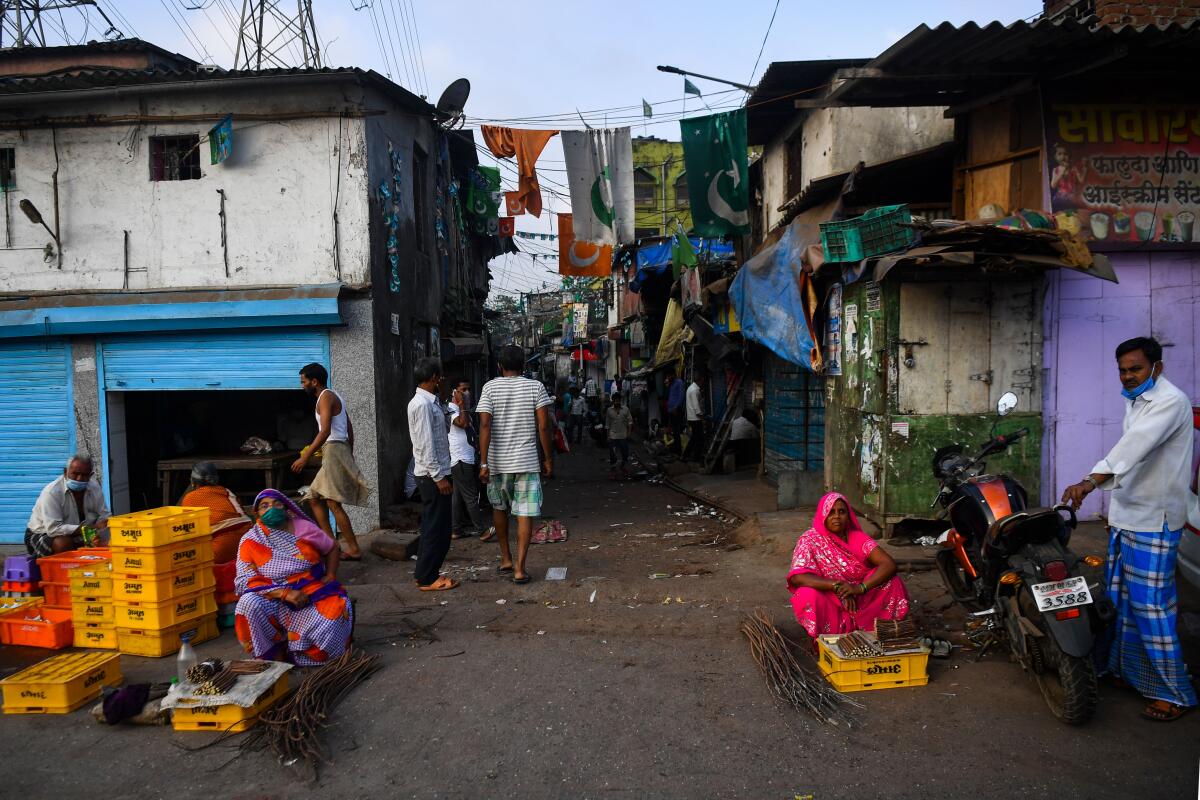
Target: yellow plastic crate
[
  {"x": 97, "y": 610},
  {"x": 95, "y": 636},
  {"x": 233, "y": 719},
  {"x": 159, "y": 588},
  {"x": 158, "y": 526},
  {"x": 8, "y": 604},
  {"x": 156, "y": 616},
  {"x": 60, "y": 684},
  {"x": 156, "y": 644},
  {"x": 143, "y": 561},
  {"x": 863, "y": 674},
  {"x": 91, "y": 581}
]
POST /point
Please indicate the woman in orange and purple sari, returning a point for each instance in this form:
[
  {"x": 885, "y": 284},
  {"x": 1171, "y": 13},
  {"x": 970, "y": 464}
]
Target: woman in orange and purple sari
[
  {"x": 840, "y": 579},
  {"x": 291, "y": 605}
]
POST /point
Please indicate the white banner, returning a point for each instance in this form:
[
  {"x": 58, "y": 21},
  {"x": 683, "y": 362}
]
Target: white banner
[{"x": 600, "y": 174}]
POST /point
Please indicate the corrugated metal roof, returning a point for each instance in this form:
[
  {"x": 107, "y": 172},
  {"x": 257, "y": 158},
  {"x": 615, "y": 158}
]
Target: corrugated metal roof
[
  {"x": 770, "y": 107},
  {"x": 945, "y": 64}
]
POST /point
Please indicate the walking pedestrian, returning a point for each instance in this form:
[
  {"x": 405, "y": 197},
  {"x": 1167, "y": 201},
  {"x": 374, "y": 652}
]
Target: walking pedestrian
[
  {"x": 618, "y": 421},
  {"x": 514, "y": 417},
  {"x": 695, "y": 419},
  {"x": 339, "y": 482},
  {"x": 1147, "y": 471},
  {"x": 675, "y": 408},
  {"x": 431, "y": 452},
  {"x": 575, "y": 421},
  {"x": 464, "y": 502}
]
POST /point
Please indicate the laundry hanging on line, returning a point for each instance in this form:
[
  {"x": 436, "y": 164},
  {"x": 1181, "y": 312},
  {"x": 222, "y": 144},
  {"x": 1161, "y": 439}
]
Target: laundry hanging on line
[
  {"x": 526, "y": 147},
  {"x": 600, "y": 175}
]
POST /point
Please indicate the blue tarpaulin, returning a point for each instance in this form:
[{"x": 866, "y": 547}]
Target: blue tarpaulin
[
  {"x": 655, "y": 259},
  {"x": 768, "y": 297}
]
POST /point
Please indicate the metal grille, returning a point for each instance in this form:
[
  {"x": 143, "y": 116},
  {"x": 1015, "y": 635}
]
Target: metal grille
[
  {"x": 795, "y": 418},
  {"x": 175, "y": 158}
]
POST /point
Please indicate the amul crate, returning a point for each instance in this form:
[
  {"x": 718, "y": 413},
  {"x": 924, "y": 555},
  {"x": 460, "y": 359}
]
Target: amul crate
[
  {"x": 228, "y": 718},
  {"x": 156, "y": 616},
  {"x": 37, "y": 626},
  {"x": 95, "y": 636},
  {"x": 10, "y": 604},
  {"x": 92, "y": 609},
  {"x": 91, "y": 581},
  {"x": 156, "y": 644},
  {"x": 159, "y": 588},
  {"x": 60, "y": 684},
  {"x": 880, "y": 230},
  {"x": 158, "y": 527},
  {"x": 161, "y": 560},
  {"x": 863, "y": 674}
]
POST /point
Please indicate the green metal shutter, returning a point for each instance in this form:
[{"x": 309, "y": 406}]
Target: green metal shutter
[
  {"x": 37, "y": 434},
  {"x": 267, "y": 359}
]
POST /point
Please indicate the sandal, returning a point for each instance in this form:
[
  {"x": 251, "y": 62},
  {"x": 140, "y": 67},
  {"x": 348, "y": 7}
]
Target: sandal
[
  {"x": 521, "y": 581},
  {"x": 509, "y": 568},
  {"x": 1163, "y": 711},
  {"x": 346, "y": 557},
  {"x": 488, "y": 535},
  {"x": 440, "y": 585}
]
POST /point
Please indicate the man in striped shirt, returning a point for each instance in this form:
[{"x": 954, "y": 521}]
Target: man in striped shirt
[{"x": 514, "y": 417}]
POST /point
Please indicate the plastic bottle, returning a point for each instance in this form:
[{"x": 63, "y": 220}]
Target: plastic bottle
[{"x": 186, "y": 659}]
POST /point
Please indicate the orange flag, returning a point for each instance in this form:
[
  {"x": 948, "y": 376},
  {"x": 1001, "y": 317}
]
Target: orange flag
[
  {"x": 580, "y": 259},
  {"x": 514, "y": 204}
]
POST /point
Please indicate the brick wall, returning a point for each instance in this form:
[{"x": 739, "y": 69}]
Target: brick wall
[{"x": 1115, "y": 13}]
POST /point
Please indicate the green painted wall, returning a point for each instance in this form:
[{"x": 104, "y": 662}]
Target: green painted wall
[{"x": 651, "y": 154}]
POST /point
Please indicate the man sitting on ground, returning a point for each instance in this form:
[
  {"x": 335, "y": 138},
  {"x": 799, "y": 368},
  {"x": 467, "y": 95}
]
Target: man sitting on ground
[{"x": 71, "y": 502}]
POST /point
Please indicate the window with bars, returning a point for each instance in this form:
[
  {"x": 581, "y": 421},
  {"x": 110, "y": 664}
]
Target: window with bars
[
  {"x": 175, "y": 158},
  {"x": 681, "y": 192},
  {"x": 644, "y": 188},
  {"x": 8, "y": 168}
]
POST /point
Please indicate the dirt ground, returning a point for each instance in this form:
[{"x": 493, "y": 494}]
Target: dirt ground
[{"x": 618, "y": 683}]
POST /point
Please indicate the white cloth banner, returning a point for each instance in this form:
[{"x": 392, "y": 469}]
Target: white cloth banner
[{"x": 600, "y": 174}]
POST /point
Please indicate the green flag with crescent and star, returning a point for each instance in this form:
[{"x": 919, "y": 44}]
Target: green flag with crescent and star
[{"x": 718, "y": 170}]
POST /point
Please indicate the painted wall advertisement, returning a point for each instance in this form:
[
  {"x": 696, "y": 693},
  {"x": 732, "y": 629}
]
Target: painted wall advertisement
[{"x": 1125, "y": 174}]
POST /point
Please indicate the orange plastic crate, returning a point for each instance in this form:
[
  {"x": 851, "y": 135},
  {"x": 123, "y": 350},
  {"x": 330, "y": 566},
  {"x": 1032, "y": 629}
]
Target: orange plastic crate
[
  {"x": 37, "y": 626},
  {"x": 54, "y": 568},
  {"x": 58, "y": 595}
]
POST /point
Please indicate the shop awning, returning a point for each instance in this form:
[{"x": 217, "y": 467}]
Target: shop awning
[{"x": 45, "y": 315}]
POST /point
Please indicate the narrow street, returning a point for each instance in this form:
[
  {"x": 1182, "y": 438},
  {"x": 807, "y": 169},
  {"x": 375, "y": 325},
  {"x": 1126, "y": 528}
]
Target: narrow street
[{"x": 647, "y": 690}]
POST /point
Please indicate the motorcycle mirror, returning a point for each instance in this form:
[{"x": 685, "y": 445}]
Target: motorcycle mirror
[{"x": 1006, "y": 403}]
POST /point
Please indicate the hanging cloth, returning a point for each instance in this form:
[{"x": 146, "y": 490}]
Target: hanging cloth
[{"x": 526, "y": 146}]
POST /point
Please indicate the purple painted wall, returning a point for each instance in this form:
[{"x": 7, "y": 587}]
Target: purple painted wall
[{"x": 1085, "y": 319}]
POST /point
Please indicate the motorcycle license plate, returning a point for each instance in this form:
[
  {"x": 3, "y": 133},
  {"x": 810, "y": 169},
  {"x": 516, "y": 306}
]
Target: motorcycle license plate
[{"x": 1058, "y": 595}]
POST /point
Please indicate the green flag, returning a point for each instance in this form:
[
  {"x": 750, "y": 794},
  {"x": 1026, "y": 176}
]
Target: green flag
[
  {"x": 690, "y": 88},
  {"x": 683, "y": 255},
  {"x": 718, "y": 170}
]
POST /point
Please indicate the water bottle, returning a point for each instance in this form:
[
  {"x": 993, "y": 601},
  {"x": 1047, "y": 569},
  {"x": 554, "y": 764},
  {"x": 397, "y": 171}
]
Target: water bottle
[{"x": 186, "y": 659}]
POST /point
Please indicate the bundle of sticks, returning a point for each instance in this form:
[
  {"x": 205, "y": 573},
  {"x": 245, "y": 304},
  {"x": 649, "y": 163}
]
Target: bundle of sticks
[
  {"x": 213, "y": 677},
  {"x": 857, "y": 644},
  {"x": 290, "y": 728},
  {"x": 897, "y": 634},
  {"x": 789, "y": 680}
]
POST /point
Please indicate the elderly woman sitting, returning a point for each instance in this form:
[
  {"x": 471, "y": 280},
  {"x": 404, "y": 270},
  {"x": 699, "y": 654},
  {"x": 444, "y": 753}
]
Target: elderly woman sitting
[
  {"x": 841, "y": 580},
  {"x": 225, "y": 514},
  {"x": 291, "y": 605}
]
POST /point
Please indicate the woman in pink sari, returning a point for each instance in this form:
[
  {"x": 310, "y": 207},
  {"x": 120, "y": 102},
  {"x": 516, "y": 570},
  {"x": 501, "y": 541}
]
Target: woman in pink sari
[{"x": 840, "y": 579}]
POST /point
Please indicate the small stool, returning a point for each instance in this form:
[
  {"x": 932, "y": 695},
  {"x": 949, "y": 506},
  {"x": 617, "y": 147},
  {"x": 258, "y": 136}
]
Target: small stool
[{"x": 22, "y": 569}]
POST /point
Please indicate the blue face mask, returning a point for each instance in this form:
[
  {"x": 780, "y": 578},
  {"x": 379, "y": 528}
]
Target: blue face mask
[
  {"x": 1133, "y": 394},
  {"x": 76, "y": 486},
  {"x": 274, "y": 517}
]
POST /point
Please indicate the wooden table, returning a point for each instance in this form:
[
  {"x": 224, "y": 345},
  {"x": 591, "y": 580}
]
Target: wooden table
[{"x": 272, "y": 465}]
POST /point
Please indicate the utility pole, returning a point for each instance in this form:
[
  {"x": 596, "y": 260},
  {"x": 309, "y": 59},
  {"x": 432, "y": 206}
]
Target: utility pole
[
  {"x": 21, "y": 21},
  {"x": 267, "y": 32}
]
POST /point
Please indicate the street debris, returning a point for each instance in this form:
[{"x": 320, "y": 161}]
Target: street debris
[
  {"x": 592, "y": 599},
  {"x": 556, "y": 574}
]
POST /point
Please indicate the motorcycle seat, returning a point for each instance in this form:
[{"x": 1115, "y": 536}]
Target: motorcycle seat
[{"x": 1034, "y": 524}]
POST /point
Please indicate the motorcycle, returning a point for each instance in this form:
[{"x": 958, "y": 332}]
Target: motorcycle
[{"x": 1010, "y": 566}]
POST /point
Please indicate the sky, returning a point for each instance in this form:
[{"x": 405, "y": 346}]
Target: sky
[{"x": 561, "y": 59}]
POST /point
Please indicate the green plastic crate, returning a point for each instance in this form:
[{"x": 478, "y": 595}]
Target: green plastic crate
[{"x": 880, "y": 230}]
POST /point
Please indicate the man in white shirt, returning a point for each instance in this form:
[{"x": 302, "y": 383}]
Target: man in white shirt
[
  {"x": 1147, "y": 471},
  {"x": 575, "y": 421},
  {"x": 431, "y": 454},
  {"x": 67, "y": 505},
  {"x": 464, "y": 504},
  {"x": 695, "y": 418},
  {"x": 514, "y": 417}
]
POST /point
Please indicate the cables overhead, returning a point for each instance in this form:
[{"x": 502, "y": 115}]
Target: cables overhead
[{"x": 763, "y": 46}]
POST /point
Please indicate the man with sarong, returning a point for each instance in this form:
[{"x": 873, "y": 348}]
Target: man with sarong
[
  {"x": 67, "y": 509},
  {"x": 339, "y": 482},
  {"x": 1147, "y": 471}
]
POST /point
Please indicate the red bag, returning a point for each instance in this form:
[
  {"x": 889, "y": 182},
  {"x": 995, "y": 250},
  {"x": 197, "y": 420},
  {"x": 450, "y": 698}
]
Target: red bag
[{"x": 560, "y": 441}]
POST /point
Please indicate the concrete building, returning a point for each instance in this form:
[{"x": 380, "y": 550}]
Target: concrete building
[
  {"x": 660, "y": 190},
  {"x": 162, "y": 311}
]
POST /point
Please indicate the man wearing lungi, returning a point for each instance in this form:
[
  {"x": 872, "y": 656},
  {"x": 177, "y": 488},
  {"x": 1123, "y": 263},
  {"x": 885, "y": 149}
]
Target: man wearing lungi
[{"x": 1148, "y": 473}]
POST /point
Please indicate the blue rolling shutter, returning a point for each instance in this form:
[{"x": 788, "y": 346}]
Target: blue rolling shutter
[
  {"x": 267, "y": 359},
  {"x": 36, "y": 429},
  {"x": 795, "y": 418}
]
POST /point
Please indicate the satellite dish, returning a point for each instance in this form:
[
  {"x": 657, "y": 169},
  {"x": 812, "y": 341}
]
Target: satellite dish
[{"x": 450, "y": 104}]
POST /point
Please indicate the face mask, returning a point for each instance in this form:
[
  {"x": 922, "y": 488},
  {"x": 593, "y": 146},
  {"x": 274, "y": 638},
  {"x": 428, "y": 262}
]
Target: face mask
[
  {"x": 274, "y": 517},
  {"x": 76, "y": 486},
  {"x": 1133, "y": 394}
]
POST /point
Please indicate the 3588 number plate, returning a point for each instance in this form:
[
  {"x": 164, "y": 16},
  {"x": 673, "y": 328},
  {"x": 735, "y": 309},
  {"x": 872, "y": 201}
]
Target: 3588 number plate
[{"x": 1058, "y": 595}]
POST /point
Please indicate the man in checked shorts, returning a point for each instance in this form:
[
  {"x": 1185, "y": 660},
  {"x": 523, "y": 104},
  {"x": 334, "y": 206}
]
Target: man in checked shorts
[{"x": 514, "y": 417}]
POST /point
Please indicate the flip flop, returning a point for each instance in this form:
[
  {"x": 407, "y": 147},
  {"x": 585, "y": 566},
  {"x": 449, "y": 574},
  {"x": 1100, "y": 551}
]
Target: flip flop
[
  {"x": 487, "y": 535},
  {"x": 440, "y": 585},
  {"x": 522, "y": 580},
  {"x": 345, "y": 557},
  {"x": 1157, "y": 713},
  {"x": 505, "y": 569}
]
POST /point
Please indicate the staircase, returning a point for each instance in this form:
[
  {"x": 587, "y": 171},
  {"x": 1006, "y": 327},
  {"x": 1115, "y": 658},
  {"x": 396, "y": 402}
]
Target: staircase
[{"x": 733, "y": 408}]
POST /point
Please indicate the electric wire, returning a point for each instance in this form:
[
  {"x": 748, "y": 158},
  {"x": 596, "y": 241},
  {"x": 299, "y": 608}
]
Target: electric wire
[
  {"x": 422, "y": 83},
  {"x": 417, "y": 33},
  {"x": 763, "y": 46}
]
